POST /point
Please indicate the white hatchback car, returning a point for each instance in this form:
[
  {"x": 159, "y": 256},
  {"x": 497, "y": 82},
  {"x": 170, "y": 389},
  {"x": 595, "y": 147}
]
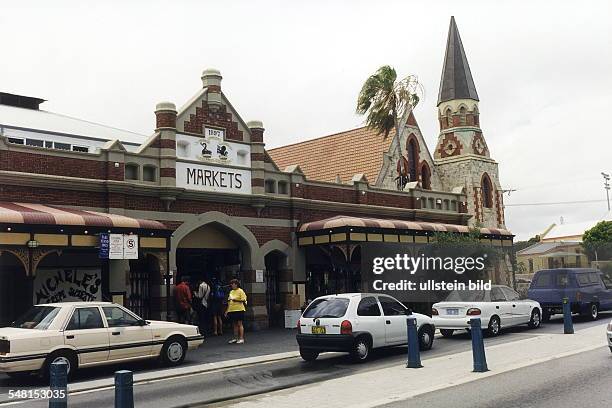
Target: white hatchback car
[
  {"x": 497, "y": 308},
  {"x": 357, "y": 323},
  {"x": 609, "y": 336},
  {"x": 84, "y": 334}
]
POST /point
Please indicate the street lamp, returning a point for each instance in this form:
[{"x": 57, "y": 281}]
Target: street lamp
[{"x": 606, "y": 177}]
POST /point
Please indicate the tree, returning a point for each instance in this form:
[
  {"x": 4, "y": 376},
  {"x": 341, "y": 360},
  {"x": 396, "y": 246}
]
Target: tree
[
  {"x": 597, "y": 241},
  {"x": 384, "y": 100}
]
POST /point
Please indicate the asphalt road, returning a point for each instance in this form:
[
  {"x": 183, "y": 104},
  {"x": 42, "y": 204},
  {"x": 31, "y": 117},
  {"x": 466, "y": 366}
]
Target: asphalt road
[
  {"x": 583, "y": 380},
  {"x": 228, "y": 384}
]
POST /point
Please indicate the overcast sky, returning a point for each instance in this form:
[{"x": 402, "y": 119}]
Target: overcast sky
[{"x": 543, "y": 71}]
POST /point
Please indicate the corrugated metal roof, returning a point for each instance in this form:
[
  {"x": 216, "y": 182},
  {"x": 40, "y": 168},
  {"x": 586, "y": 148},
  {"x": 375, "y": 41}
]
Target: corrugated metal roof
[{"x": 32, "y": 119}]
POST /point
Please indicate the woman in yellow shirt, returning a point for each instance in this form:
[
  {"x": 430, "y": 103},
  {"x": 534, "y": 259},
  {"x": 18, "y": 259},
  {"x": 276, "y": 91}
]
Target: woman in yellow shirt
[{"x": 236, "y": 305}]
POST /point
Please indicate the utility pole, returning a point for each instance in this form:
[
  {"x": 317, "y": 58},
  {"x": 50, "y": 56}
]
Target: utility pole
[{"x": 606, "y": 177}]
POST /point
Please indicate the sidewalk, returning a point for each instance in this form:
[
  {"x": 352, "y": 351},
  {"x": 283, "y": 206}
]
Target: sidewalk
[
  {"x": 383, "y": 386},
  {"x": 258, "y": 343}
]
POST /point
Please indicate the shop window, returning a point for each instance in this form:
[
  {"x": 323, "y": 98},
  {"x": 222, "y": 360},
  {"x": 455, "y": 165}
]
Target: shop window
[
  {"x": 270, "y": 186},
  {"x": 61, "y": 146},
  {"x": 82, "y": 149},
  {"x": 149, "y": 173},
  {"x": 283, "y": 187},
  {"x": 35, "y": 142},
  {"x": 487, "y": 191},
  {"x": 131, "y": 171},
  {"x": 16, "y": 140}
]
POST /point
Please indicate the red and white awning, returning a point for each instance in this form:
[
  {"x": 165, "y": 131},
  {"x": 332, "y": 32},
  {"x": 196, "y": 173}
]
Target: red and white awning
[
  {"x": 39, "y": 214},
  {"x": 344, "y": 221}
]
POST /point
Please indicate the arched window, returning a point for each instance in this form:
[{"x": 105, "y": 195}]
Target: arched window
[
  {"x": 425, "y": 177},
  {"x": 413, "y": 159},
  {"x": 487, "y": 191},
  {"x": 449, "y": 118},
  {"x": 462, "y": 114},
  {"x": 475, "y": 113}
]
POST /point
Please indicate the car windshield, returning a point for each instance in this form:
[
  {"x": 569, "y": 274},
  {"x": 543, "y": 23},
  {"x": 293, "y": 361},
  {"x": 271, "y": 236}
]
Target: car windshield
[
  {"x": 467, "y": 296},
  {"x": 327, "y": 307},
  {"x": 38, "y": 317}
]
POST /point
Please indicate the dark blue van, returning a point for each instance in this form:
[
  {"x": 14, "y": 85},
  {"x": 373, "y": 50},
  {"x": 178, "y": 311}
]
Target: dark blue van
[{"x": 588, "y": 291}]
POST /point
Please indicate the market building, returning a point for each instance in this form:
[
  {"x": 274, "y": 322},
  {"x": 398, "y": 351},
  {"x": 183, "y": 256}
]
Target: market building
[{"x": 90, "y": 211}]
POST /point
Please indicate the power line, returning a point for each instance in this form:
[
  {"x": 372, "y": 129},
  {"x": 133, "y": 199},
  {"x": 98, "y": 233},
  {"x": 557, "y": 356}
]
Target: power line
[{"x": 555, "y": 203}]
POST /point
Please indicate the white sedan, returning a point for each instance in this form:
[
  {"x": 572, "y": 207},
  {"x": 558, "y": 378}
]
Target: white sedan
[
  {"x": 497, "y": 308},
  {"x": 357, "y": 323},
  {"x": 84, "y": 334},
  {"x": 609, "y": 336}
]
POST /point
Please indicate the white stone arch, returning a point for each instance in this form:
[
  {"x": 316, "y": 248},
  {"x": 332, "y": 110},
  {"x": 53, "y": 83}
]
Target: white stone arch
[{"x": 236, "y": 229}]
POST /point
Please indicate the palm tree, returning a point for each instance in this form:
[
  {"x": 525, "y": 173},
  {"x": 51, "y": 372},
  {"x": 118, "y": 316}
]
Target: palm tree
[{"x": 386, "y": 100}]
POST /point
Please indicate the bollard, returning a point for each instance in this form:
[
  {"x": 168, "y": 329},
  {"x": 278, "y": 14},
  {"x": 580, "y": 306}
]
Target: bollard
[
  {"x": 58, "y": 384},
  {"x": 124, "y": 389},
  {"x": 478, "y": 350},
  {"x": 568, "y": 325},
  {"x": 414, "y": 356}
]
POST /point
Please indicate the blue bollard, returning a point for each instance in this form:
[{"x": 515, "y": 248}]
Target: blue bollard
[
  {"x": 568, "y": 325},
  {"x": 414, "y": 356},
  {"x": 58, "y": 385},
  {"x": 478, "y": 350},
  {"x": 124, "y": 389}
]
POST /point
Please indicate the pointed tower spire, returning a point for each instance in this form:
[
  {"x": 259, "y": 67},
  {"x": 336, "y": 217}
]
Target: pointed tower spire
[{"x": 457, "y": 81}]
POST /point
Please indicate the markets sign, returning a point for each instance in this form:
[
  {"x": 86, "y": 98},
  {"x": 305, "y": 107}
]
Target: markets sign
[
  {"x": 203, "y": 177},
  {"x": 118, "y": 246},
  {"x": 53, "y": 285}
]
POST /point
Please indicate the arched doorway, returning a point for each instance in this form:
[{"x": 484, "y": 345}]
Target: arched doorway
[
  {"x": 15, "y": 288},
  {"x": 211, "y": 251}
]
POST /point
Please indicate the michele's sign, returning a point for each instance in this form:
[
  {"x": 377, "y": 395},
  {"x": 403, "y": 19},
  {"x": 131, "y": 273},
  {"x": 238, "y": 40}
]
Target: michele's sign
[
  {"x": 67, "y": 285},
  {"x": 205, "y": 177}
]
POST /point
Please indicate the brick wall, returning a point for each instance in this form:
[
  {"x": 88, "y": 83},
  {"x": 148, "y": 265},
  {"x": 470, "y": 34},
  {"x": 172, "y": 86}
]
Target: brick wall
[
  {"x": 64, "y": 166},
  {"x": 219, "y": 118}
]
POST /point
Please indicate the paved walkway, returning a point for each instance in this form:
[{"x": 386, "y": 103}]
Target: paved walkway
[{"x": 259, "y": 343}]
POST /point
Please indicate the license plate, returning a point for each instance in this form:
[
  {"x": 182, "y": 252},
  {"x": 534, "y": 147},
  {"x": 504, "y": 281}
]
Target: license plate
[
  {"x": 318, "y": 329},
  {"x": 453, "y": 312}
]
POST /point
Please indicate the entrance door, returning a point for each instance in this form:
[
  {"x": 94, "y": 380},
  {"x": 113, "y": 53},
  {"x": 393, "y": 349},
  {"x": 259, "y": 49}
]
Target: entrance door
[
  {"x": 271, "y": 278},
  {"x": 15, "y": 289}
]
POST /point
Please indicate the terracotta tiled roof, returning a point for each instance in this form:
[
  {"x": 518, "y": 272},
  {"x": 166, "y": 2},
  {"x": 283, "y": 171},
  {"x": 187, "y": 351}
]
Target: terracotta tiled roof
[{"x": 342, "y": 154}]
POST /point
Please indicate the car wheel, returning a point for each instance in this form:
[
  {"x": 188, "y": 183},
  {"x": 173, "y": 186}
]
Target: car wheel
[
  {"x": 494, "y": 326},
  {"x": 447, "y": 332},
  {"x": 426, "y": 337},
  {"x": 174, "y": 351},
  {"x": 65, "y": 356},
  {"x": 309, "y": 355},
  {"x": 594, "y": 311},
  {"x": 361, "y": 349},
  {"x": 535, "y": 320}
]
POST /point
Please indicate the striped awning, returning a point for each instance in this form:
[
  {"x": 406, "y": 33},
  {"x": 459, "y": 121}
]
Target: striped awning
[
  {"x": 39, "y": 214},
  {"x": 376, "y": 223}
]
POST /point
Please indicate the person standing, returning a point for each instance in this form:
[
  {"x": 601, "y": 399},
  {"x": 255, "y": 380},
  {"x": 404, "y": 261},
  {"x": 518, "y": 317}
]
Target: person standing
[
  {"x": 203, "y": 297},
  {"x": 217, "y": 297},
  {"x": 236, "y": 306},
  {"x": 182, "y": 295}
]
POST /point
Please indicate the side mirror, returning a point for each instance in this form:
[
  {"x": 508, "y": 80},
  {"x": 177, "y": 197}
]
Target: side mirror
[
  {"x": 408, "y": 312},
  {"x": 142, "y": 322}
]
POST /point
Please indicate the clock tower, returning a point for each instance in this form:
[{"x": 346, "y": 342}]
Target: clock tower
[{"x": 462, "y": 156}]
